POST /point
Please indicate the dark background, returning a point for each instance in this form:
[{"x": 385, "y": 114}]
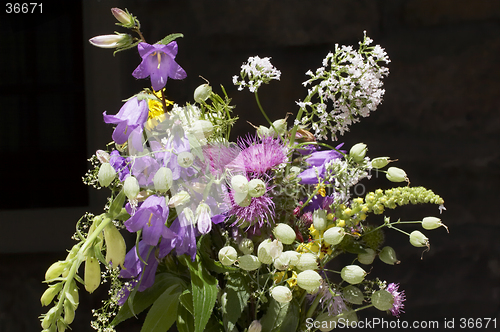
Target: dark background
[{"x": 440, "y": 118}]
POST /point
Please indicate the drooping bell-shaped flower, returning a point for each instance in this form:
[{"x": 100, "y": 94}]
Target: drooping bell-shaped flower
[{"x": 132, "y": 115}]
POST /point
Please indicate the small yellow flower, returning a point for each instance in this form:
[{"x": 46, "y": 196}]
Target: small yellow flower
[
  {"x": 278, "y": 277},
  {"x": 340, "y": 223},
  {"x": 292, "y": 281},
  {"x": 314, "y": 232}
]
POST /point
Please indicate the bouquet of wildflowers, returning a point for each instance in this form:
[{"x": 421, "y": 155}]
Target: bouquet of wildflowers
[{"x": 237, "y": 236}]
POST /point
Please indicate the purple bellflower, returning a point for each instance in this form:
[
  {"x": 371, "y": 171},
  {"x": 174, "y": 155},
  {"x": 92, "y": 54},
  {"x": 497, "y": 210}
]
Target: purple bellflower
[
  {"x": 318, "y": 161},
  {"x": 120, "y": 164},
  {"x": 158, "y": 62},
  {"x": 131, "y": 116}
]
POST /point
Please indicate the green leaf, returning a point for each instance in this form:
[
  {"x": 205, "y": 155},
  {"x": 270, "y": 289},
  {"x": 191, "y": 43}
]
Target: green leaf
[
  {"x": 185, "y": 320},
  {"x": 186, "y": 300},
  {"x": 236, "y": 296},
  {"x": 274, "y": 316},
  {"x": 291, "y": 321},
  {"x": 144, "y": 299},
  {"x": 163, "y": 313},
  {"x": 116, "y": 206},
  {"x": 168, "y": 39}
]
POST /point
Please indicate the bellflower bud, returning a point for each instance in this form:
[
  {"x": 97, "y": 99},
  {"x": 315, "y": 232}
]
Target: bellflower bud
[
  {"x": 353, "y": 294},
  {"x": 380, "y": 162},
  {"x": 382, "y": 300},
  {"x": 358, "y": 152},
  {"x": 417, "y": 239},
  {"x": 388, "y": 256},
  {"x": 284, "y": 233},
  {"x": 319, "y": 219},
  {"x": 353, "y": 274},
  {"x": 248, "y": 262},
  {"x": 431, "y": 223},
  {"x": 115, "y": 245},
  {"x": 112, "y": 41},
  {"x": 256, "y": 188},
  {"x": 309, "y": 280},
  {"x": 106, "y": 174},
  {"x": 239, "y": 184},
  {"x": 123, "y": 17},
  {"x": 202, "y": 92},
  {"x": 334, "y": 235},
  {"x": 255, "y": 326},
  {"x": 102, "y": 156},
  {"x": 246, "y": 246},
  {"x": 92, "y": 274},
  {"x": 185, "y": 159},
  {"x": 395, "y": 174},
  {"x": 131, "y": 187},
  {"x": 281, "y": 294},
  {"x": 227, "y": 255},
  {"x": 367, "y": 257},
  {"x": 307, "y": 261}
]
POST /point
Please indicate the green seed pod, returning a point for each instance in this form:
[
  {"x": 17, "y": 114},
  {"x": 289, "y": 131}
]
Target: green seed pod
[
  {"x": 417, "y": 239},
  {"x": 256, "y": 188},
  {"x": 284, "y": 233},
  {"x": 431, "y": 223},
  {"x": 131, "y": 187},
  {"x": 55, "y": 270},
  {"x": 49, "y": 318},
  {"x": 380, "y": 162},
  {"x": 353, "y": 295},
  {"x": 106, "y": 174},
  {"x": 358, "y": 152},
  {"x": 92, "y": 274},
  {"x": 382, "y": 300},
  {"x": 353, "y": 274},
  {"x": 307, "y": 261},
  {"x": 263, "y": 252},
  {"x": 249, "y": 262},
  {"x": 50, "y": 293},
  {"x": 282, "y": 294},
  {"x": 239, "y": 184},
  {"x": 69, "y": 312},
  {"x": 334, "y": 235},
  {"x": 319, "y": 219},
  {"x": 246, "y": 246},
  {"x": 395, "y": 174},
  {"x": 185, "y": 159},
  {"x": 115, "y": 246},
  {"x": 202, "y": 92},
  {"x": 309, "y": 280},
  {"x": 163, "y": 179},
  {"x": 367, "y": 257},
  {"x": 388, "y": 256},
  {"x": 227, "y": 255}
]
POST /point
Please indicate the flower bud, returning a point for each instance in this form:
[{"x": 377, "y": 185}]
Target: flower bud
[
  {"x": 382, "y": 300},
  {"x": 282, "y": 262},
  {"x": 50, "y": 293},
  {"x": 388, "y": 256},
  {"x": 131, "y": 187},
  {"x": 353, "y": 294},
  {"x": 279, "y": 126},
  {"x": 106, "y": 174},
  {"x": 115, "y": 245},
  {"x": 202, "y": 92},
  {"x": 185, "y": 159},
  {"x": 264, "y": 132},
  {"x": 380, "y": 162},
  {"x": 227, "y": 255},
  {"x": 284, "y": 233},
  {"x": 246, "y": 246},
  {"x": 353, "y": 274},
  {"x": 239, "y": 184},
  {"x": 55, "y": 270},
  {"x": 417, "y": 239},
  {"x": 112, "y": 41},
  {"x": 319, "y": 219},
  {"x": 281, "y": 294},
  {"x": 395, "y": 174},
  {"x": 69, "y": 312},
  {"x": 123, "y": 17},
  {"x": 358, "y": 152},
  {"x": 334, "y": 235},
  {"x": 309, "y": 280},
  {"x": 102, "y": 156},
  {"x": 163, "y": 179},
  {"x": 182, "y": 197},
  {"x": 248, "y": 262},
  {"x": 431, "y": 223},
  {"x": 255, "y": 326},
  {"x": 202, "y": 129},
  {"x": 49, "y": 318},
  {"x": 92, "y": 274},
  {"x": 263, "y": 252},
  {"x": 256, "y": 188},
  {"x": 367, "y": 257},
  {"x": 307, "y": 261},
  {"x": 275, "y": 249}
]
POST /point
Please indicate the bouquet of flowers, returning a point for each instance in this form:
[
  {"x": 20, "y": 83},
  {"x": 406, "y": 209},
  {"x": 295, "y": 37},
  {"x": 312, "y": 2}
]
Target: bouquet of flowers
[{"x": 237, "y": 236}]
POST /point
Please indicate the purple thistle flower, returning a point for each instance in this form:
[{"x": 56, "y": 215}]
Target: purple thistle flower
[
  {"x": 158, "y": 62},
  {"x": 131, "y": 116},
  {"x": 260, "y": 210},
  {"x": 399, "y": 298}
]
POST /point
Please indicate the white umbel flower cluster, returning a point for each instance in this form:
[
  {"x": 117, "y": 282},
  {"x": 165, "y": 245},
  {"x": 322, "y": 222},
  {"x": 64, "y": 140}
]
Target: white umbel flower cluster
[
  {"x": 258, "y": 71},
  {"x": 350, "y": 83}
]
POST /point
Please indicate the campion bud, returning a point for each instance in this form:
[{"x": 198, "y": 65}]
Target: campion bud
[
  {"x": 112, "y": 41},
  {"x": 388, "y": 256},
  {"x": 106, "y": 174},
  {"x": 242, "y": 199},
  {"x": 92, "y": 274},
  {"x": 353, "y": 274},
  {"x": 367, "y": 257},
  {"x": 185, "y": 159},
  {"x": 382, "y": 300},
  {"x": 182, "y": 197},
  {"x": 202, "y": 92},
  {"x": 309, "y": 280},
  {"x": 380, "y": 162},
  {"x": 255, "y": 326},
  {"x": 248, "y": 262},
  {"x": 284, "y": 233},
  {"x": 102, "y": 156},
  {"x": 264, "y": 132},
  {"x": 123, "y": 17},
  {"x": 131, "y": 187},
  {"x": 256, "y": 188},
  {"x": 353, "y": 294},
  {"x": 239, "y": 184},
  {"x": 163, "y": 179},
  {"x": 50, "y": 293},
  {"x": 431, "y": 223},
  {"x": 358, "y": 152},
  {"x": 227, "y": 255},
  {"x": 275, "y": 249},
  {"x": 286, "y": 258},
  {"x": 246, "y": 246},
  {"x": 395, "y": 174},
  {"x": 307, "y": 261},
  {"x": 115, "y": 245},
  {"x": 202, "y": 129},
  {"x": 263, "y": 252},
  {"x": 279, "y": 126},
  {"x": 281, "y": 294},
  {"x": 334, "y": 235},
  {"x": 417, "y": 239},
  {"x": 319, "y": 220}
]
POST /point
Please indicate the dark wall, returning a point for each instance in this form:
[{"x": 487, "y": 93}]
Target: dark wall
[{"x": 440, "y": 117}]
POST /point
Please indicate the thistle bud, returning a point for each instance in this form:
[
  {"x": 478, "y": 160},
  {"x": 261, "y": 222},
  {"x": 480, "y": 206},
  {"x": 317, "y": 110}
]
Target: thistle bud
[
  {"x": 202, "y": 129},
  {"x": 388, "y": 256},
  {"x": 92, "y": 274},
  {"x": 202, "y": 92},
  {"x": 382, "y": 300},
  {"x": 367, "y": 257},
  {"x": 334, "y": 235},
  {"x": 256, "y": 188},
  {"x": 358, "y": 152},
  {"x": 106, "y": 174},
  {"x": 353, "y": 274},
  {"x": 227, "y": 255},
  {"x": 431, "y": 223},
  {"x": 246, "y": 246},
  {"x": 249, "y": 262},
  {"x": 123, "y": 17},
  {"x": 185, "y": 159},
  {"x": 307, "y": 261},
  {"x": 118, "y": 40},
  {"x": 395, "y": 174},
  {"x": 319, "y": 219},
  {"x": 55, "y": 270},
  {"x": 163, "y": 179},
  {"x": 50, "y": 293},
  {"x": 380, "y": 162},
  {"x": 281, "y": 294},
  {"x": 182, "y": 197},
  {"x": 353, "y": 294},
  {"x": 417, "y": 239},
  {"x": 284, "y": 233},
  {"x": 309, "y": 280},
  {"x": 115, "y": 245},
  {"x": 131, "y": 187},
  {"x": 239, "y": 184},
  {"x": 255, "y": 326}
]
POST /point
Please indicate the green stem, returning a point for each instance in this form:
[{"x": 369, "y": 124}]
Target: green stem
[{"x": 263, "y": 112}]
